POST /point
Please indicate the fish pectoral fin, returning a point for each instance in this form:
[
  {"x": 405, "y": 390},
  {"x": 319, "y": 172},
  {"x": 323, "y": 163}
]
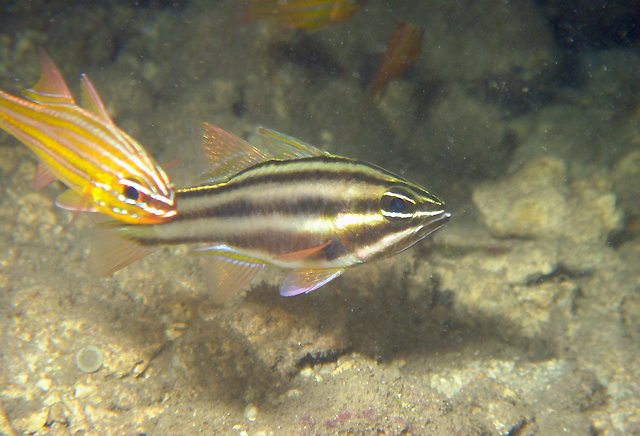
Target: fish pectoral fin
[
  {"x": 42, "y": 177},
  {"x": 302, "y": 281},
  {"x": 281, "y": 146},
  {"x": 225, "y": 276},
  {"x": 111, "y": 251},
  {"x": 69, "y": 200},
  {"x": 301, "y": 254},
  {"x": 91, "y": 100},
  {"x": 222, "y": 153},
  {"x": 51, "y": 88}
]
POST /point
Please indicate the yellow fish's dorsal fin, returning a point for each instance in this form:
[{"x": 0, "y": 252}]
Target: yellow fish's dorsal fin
[
  {"x": 91, "y": 100},
  {"x": 303, "y": 281},
  {"x": 280, "y": 146},
  {"x": 51, "y": 88},
  {"x": 222, "y": 153}
]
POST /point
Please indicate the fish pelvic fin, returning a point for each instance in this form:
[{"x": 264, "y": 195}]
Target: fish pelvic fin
[
  {"x": 302, "y": 254},
  {"x": 51, "y": 88},
  {"x": 111, "y": 250},
  {"x": 303, "y": 281}
]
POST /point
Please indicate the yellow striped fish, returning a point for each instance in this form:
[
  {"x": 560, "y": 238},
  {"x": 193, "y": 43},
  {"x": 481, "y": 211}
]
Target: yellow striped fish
[
  {"x": 286, "y": 204},
  {"x": 310, "y": 15},
  {"x": 106, "y": 170}
]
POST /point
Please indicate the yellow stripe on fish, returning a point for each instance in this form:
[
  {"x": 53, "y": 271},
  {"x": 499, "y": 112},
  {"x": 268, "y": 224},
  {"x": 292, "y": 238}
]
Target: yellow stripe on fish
[
  {"x": 285, "y": 204},
  {"x": 105, "y": 169}
]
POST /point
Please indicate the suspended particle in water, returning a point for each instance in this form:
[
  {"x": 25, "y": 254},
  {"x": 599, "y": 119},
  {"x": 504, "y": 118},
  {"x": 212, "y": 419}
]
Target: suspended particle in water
[{"x": 89, "y": 359}]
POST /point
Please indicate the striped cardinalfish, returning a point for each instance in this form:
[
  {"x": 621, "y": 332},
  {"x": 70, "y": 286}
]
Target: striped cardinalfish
[
  {"x": 105, "y": 169},
  {"x": 310, "y": 15},
  {"x": 402, "y": 52},
  {"x": 286, "y": 204}
]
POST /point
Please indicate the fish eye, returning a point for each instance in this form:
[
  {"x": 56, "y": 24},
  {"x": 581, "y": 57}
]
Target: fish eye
[
  {"x": 132, "y": 190},
  {"x": 131, "y": 193},
  {"x": 397, "y": 204}
]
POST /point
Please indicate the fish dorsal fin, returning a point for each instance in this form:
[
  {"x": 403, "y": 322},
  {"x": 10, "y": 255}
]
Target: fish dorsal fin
[
  {"x": 111, "y": 251},
  {"x": 91, "y": 100},
  {"x": 227, "y": 271},
  {"x": 222, "y": 153},
  {"x": 302, "y": 281},
  {"x": 51, "y": 88},
  {"x": 281, "y": 147},
  {"x": 42, "y": 177}
]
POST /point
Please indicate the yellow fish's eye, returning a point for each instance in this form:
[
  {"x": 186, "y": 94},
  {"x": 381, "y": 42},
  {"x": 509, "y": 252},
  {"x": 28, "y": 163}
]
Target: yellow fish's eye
[
  {"x": 132, "y": 190},
  {"x": 397, "y": 204}
]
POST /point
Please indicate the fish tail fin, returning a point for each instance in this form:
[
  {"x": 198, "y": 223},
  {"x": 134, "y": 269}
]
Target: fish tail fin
[{"x": 112, "y": 249}]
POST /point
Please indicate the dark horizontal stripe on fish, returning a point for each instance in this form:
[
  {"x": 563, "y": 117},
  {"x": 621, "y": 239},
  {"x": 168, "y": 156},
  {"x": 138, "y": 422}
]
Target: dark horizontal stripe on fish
[
  {"x": 348, "y": 171},
  {"x": 241, "y": 208},
  {"x": 273, "y": 242}
]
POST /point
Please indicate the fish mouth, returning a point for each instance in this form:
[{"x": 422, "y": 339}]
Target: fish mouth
[{"x": 433, "y": 224}]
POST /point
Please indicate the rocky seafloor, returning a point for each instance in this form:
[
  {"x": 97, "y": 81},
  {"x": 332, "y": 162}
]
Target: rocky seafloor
[{"x": 520, "y": 317}]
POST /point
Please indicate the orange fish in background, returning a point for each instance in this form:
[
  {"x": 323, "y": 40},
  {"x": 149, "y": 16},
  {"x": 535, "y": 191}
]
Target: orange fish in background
[
  {"x": 309, "y": 15},
  {"x": 402, "y": 51}
]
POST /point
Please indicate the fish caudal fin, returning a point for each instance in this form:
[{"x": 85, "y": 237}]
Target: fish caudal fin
[
  {"x": 111, "y": 251},
  {"x": 303, "y": 281}
]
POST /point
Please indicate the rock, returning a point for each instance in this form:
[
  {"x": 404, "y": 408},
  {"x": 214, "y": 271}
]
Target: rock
[
  {"x": 626, "y": 179},
  {"x": 461, "y": 134},
  {"x": 467, "y": 40},
  {"x": 537, "y": 202}
]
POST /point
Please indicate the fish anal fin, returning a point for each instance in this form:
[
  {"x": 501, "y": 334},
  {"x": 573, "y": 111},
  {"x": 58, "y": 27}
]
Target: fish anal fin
[
  {"x": 91, "y": 100},
  {"x": 110, "y": 251},
  {"x": 225, "y": 277},
  {"x": 302, "y": 281},
  {"x": 281, "y": 146},
  {"x": 301, "y": 254},
  {"x": 69, "y": 200},
  {"x": 222, "y": 153},
  {"x": 42, "y": 177},
  {"x": 51, "y": 88}
]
